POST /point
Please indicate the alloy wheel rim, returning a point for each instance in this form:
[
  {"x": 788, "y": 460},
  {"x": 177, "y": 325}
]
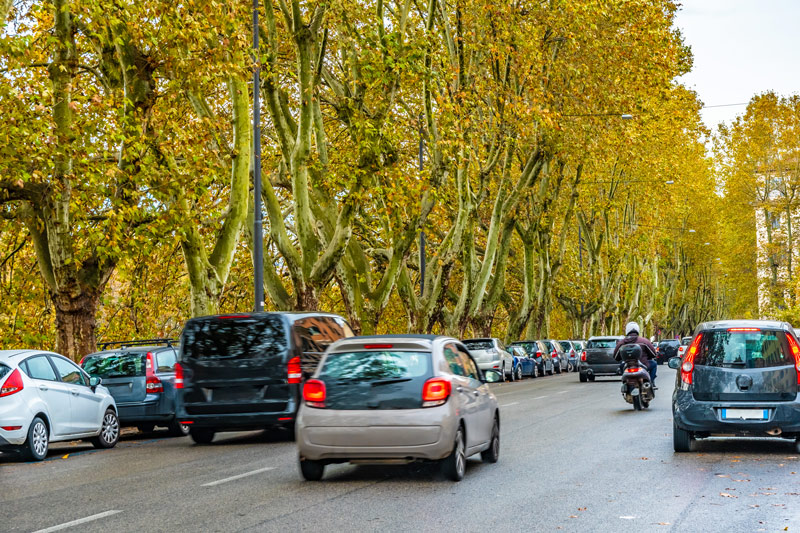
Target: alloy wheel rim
[
  {"x": 110, "y": 428},
  {"x": 39, "y": 439}
]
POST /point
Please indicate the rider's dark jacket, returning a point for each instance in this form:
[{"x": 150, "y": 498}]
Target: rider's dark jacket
[{"x": 648, "y": 350}]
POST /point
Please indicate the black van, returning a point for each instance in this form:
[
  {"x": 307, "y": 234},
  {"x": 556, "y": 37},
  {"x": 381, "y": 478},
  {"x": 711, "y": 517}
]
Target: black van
[{"x": 243, "y": 372}]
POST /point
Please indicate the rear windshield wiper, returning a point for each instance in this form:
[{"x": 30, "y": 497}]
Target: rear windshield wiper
[{"x": 388, "y": 381}]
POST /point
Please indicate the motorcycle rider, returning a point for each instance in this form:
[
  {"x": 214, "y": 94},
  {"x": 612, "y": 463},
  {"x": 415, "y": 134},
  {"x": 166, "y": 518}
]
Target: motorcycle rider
[{"x": 648, "y": 350}]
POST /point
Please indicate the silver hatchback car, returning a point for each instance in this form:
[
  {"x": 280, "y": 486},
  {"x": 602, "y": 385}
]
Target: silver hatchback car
[{"x": 395, "y": 399}]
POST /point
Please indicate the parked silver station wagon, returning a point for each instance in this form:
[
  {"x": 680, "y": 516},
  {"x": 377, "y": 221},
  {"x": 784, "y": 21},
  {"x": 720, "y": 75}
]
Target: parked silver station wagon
[
  {"x": 394, "y": 399},
  {"x": 737, "y": 378}
]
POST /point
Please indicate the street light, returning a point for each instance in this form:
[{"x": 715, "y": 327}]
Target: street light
[{"x": 258, "y": 238}]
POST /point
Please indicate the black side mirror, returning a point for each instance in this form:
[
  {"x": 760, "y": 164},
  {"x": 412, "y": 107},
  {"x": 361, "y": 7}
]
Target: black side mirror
[
  {"x": 674, "y": 363},
  {"x": 492, "y": 376},
  {"x": 94, "y": 382}
]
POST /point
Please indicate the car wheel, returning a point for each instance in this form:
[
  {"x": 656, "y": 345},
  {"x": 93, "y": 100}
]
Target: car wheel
[
  {"x": 583, "y": 377},
  {"x": 35, "y": 448},
  {"x": 492, "y": 453},
  {"x": 202, "y": 435},
  {"x": 176, "y": 429},
  {"x": 146, "y": 428},
  {"x": 312, "y": 470},
  {"x": 519, "y": 373},
  {"x": 558, "y": 368},
  {"x": 591, "y": 377},
  {"x": 512, "y": 376},
  {"x": 109, "y": 431},
  {"x": 550, "y": 372},
  {"x": 681, "y": 439},
  {"x": 455, "y": 465}
]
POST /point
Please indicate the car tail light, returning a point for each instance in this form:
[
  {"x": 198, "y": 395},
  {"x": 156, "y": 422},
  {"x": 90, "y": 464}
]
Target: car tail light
[
  {"x": 744, "y": 330},
  {"x": 554, "y": 354},
  {"x": 583, "y": 355},
  {"x": 12, "y": 385},
  {"x": 538, "y": 354},
  {"x": 152, "y": 383},
  {"x": 11, "y": 428},
  {"x": 688, "y": 364},
  {"x": 294, "y": 370},
  {"x": 378, "y": 346},
  {"x": 314, "y": 393},
  {"x": 82, "y": 360},
  {"x": 435, "y": 392},
  {"x": 796, "y": 353},
  {"x": 178, "y": 376}
]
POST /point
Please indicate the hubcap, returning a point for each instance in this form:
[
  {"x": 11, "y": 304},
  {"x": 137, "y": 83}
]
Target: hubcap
[
  {"x": 39, "y": 439},
  {"x": 110, "y": 428}
]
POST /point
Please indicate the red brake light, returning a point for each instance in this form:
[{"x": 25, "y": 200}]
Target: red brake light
[
  {"x": 11, "y": 428},
  {"x": 82, "y": 360},
  {"x": 378, "y": 346},
  {"x": 314, "y": 393},
  {"x": 435, "y": 392},
  {"x": 12, "y": 385},
  {"x": 743, "y": 330},
  {"x": 632, "y": 369},
  {"x": 152, "y": 383},
  {"x": 294, "y": 370},
  {"x": 796, "y": 353},
  {"x": 178, "y": 376},
  {"x": 688, "y": 364},
  {"x": 538, "y": 354},
  {"x": 583, "y": 355}
]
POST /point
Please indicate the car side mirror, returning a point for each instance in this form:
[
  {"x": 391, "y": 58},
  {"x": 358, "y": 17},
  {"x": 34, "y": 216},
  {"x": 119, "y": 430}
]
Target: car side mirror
[
  {"x": 492, "y": 376},
  {"x": 94, "y": 382},
  {"x": 674, "y": 363}
]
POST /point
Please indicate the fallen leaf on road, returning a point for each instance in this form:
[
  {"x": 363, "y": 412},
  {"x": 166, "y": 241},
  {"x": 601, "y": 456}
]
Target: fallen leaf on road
[
  {"x": 754, "y": 506},
  {"x": 573, "y": 516},
  {"x": 65, "y": 456},
  {"x": 644, "y": 458},
  {"x": 581, "y": 508},
  {"x": 735, "y": 461},
  {"x": 663, "y": 523},
  {"x": 723, "y": 475},
  {"x": 726, "y": 495}
]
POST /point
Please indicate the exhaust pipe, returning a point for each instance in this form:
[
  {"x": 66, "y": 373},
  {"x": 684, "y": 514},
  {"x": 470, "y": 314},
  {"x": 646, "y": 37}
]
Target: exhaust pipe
[{"x": 774, "y": 432}]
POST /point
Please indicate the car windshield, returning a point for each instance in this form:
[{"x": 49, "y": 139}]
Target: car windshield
[
  {"x": 744, "y": 349},
  {"x": 375, "y": 366},
  {"x": 115, "y": 364},
  {"x": 601, "y": 343},
  {"x": 479, "y": 345}
]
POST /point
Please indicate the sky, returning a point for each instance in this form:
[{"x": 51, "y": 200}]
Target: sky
[{"x": 740, "y": 48}]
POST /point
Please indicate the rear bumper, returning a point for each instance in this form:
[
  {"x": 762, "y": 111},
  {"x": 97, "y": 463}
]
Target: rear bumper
[
  {"x": 600, "y": 369},
  {"x": 238, "y": 422},
  {"x": 706, "y": 417},
  {"x": 491, "y": 365},
  {"x": 147, "y": 411},
  {"x": 15, "y": 412}
]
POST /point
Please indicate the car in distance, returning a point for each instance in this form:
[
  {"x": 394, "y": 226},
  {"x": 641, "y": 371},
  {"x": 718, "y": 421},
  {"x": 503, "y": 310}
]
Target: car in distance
[
  {"x": 557, "y": 356},
  {"x": 598, "y": 358},
  {"x": 140, "y": 375},
  {"x": 491, "y": 354},
  {"x": 685, "y": 342},
  {"x": 667, "y": 349},
  {"x": 572, "y": 350},
  {"x": 243, "y": 372},
  {"x": 45, "y": 397},
  {"x": 524, "y": 365},
  {"x": 394, "y": 399},
  {"x": 738, "y": 377},
  {"x": 540, "y": 355}
]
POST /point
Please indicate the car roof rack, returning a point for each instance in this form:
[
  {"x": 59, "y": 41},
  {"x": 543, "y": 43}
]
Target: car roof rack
[{"x": 144, "y": 342}]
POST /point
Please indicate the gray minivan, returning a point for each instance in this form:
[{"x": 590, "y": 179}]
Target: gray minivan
[
  {"x": 740, "y": 378},
  {"x": 597, "y": 358}
]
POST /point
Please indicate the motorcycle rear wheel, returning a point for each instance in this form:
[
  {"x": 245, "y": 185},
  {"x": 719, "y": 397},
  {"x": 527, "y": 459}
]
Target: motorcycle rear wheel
[{"x": 637, "y": 402}]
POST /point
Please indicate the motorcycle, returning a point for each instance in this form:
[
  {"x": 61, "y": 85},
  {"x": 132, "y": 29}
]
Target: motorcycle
[{"x": 636, "y": 386}]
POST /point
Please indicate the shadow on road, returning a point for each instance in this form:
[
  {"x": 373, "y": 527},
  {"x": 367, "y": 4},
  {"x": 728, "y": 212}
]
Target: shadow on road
[
  {"x": 410, "y": 473},
  {"x": 764, "y": 446}
]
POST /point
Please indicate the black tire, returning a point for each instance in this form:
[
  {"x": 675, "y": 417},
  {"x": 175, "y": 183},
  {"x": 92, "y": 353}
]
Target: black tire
[
  {"x": 176, "y": 429},
  {"x": 38, "y": 441},
  {"x": 145, "y": 428},
  {"x": 583, "y": 377},
  {"x": 511, "y": 375},
  {"x": 591, "y": 377},
  {"x": 637, "y": 402},
  {"x": 312, "y": 470},
  {"x": 109, "y": 431},
  {"x": 550, "y": 372},
  {"x": 454, "y": 466},
  {"x": 518, "y": 377},
  {"x": 681, "y": 439},
  {"x": 202, "y": 435},
  {"x": 558, "y": 368},
  {"x": 535, "y": 371},
  {"x": 492, "y": 453}
]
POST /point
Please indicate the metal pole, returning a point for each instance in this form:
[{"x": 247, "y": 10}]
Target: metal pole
[
  {"x": 258, "y": 238},
  {"x": 422, "y": 232},
  {"x": 580, "y": 255}
]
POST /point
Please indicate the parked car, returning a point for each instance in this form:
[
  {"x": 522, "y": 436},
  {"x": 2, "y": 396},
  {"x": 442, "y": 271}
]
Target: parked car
[
  {"x": 738, "y": 377},
  {"x": 572, "y": 352},
  {"x": 537, "y": 351},
  {"x": 140, "y": 375},
  {"x": 243, "y": 371},
  {"x": 491, "y": 354},
  {"x": 557, "y": 356},
  {"x": 598, "y": 358},
  {"x": 523, "y": 364},
  {"x": 685, "y": 342},
  {"x": 399, "y": 399},
  {"x": 45, "y": 397},
  {"x": 667, "y": 349}
]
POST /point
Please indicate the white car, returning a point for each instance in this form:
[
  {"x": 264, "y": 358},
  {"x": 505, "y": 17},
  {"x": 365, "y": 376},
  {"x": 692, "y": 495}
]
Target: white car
[
  {"x": 491, "y": 354},
  {"x": 45, "y": 397}
]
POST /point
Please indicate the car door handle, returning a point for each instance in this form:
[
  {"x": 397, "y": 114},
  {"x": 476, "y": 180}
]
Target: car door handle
[
  {"x": 42, "y": 388},
  {"x": 459, "y": 389},
  {"x": 74, "y": 392},
  {"x": 476, "y": 393}
]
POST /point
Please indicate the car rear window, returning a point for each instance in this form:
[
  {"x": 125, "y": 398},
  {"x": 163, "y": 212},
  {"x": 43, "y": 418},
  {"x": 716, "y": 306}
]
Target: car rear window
[
  {"x": 529, "y": 347},
  {"x": 479, "y": 345},
  {"x": 565, "y": 345},
  {"x": 744, "y": 349},
  {"x": 3, "y": 371},
  {"x": 669, "y": 343},
  {"x": 376, "y": 365},
  {"x": 686, "y": 341},
  {"x": 115, "y": 364},
  {"x": 601, "y": 343},
  {"x": 261, "y": 337}
]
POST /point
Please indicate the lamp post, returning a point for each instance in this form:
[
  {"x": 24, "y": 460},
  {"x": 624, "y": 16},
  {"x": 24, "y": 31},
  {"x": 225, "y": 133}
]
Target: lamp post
[
  {"x": 422, "y": 231},
  {"x": 258, "y": 239}
]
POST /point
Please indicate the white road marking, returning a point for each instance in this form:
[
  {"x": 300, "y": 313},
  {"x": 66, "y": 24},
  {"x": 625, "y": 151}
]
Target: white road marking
[
  {"x": 540, "y": 397},
  {"x": 78, "y": 522},
  {"x": 240, "y": 476},
  {"x": 563, "y": 392},
  {"x": 509, "y": 404}
]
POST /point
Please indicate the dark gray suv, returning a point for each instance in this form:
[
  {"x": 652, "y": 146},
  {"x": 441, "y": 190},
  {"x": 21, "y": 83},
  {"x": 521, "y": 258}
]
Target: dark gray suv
[{"x": 738, "y": 377}]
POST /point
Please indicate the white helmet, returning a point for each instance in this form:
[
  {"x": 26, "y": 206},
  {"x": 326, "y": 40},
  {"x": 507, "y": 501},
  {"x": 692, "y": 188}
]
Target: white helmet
[{"x": 631, "y": 327}]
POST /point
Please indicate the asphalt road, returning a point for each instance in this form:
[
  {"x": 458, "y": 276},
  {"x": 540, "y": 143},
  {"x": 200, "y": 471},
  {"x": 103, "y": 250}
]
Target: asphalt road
[{"x": 574, "y": 457}]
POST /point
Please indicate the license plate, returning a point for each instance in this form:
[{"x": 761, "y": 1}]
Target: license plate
[{"x": 745, "y": 414}]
